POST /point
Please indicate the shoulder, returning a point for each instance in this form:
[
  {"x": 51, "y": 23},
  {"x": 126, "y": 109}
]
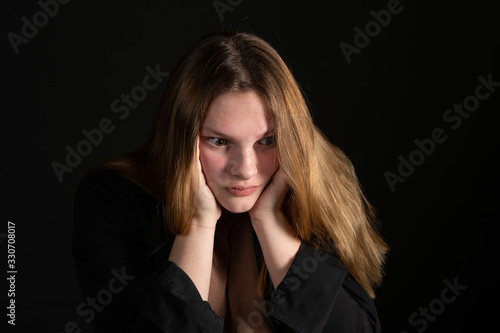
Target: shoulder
[
  {"x": 106, "y": 185},
  {"x": 106, "y": 194},
  {"x": 106, "y": 181},
  {"x": 110, "y": 208}
]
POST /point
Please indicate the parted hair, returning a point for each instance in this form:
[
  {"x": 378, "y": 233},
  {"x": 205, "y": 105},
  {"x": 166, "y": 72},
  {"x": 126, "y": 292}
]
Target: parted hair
[{"x": 324, "y": 203}]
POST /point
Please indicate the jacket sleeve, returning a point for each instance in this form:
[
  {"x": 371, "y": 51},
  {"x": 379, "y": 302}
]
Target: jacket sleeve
[
  {"x": 127, "y": 285},
  {"x": 318, "y": 295}
]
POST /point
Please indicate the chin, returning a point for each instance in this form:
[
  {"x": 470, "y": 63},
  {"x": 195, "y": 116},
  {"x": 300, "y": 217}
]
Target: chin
[{"x": 237, "y": 205}]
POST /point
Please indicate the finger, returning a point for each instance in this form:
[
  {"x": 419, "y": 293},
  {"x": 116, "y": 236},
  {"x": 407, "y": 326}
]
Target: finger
[
  {"x": 201, "y": 175},
  {"x": 198, "y": 147},
  {"x": 279, "y": 184},
  {"x": 278, "y": 177},
  {"x": 198, "y": 162}
]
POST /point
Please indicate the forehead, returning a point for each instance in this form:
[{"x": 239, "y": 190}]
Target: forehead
[{"x": 238, "y": 113}]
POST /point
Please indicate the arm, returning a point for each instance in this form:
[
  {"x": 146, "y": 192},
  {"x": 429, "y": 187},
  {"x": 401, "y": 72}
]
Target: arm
[
  {"x": 115, "y": 222},
  {"x": 279, "y": 244},
  {"x": 313, "y": 292},
  {"x": 278, "y": 240},
  {"x": 192, "y": 250},
  {"x": 317, "y": 295}
]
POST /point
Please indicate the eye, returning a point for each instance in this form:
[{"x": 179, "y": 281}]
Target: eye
[
  {"x": 218, "y": 141},
  {"x": 269, "y": 141}
]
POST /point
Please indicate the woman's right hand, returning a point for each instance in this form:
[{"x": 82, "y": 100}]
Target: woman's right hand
[
  {"x": 207, "y": 210},
  {"x": 193, "y": 249}
]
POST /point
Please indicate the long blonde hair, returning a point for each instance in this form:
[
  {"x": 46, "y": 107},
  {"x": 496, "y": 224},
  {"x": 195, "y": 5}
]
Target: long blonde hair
[{"x": 324, "y": 204}]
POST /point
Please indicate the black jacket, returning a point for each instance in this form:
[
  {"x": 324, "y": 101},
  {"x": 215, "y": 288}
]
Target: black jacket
[{"x": 128, "y": 284}]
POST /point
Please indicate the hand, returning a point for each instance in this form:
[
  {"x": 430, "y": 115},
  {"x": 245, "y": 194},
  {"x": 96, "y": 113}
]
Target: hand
[
  {"x": 268, "y": 204},
  {"x": 278, "y": 240},
  {"x": 207, "y": 210},
  {"x": 193, "y": 249}
]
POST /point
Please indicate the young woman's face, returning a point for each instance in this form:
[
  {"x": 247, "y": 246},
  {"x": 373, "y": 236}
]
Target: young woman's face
[{"x": 237, "y": 150}]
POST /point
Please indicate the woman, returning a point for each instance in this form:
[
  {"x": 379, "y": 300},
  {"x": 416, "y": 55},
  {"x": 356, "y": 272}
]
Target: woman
[{"x": 236, "y": 215}]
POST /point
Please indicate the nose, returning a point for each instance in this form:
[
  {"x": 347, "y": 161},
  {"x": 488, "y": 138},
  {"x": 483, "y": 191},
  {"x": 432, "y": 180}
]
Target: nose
[{"x": 243, "y": 164}]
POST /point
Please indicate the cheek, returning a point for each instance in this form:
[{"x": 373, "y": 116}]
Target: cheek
[
  {"x": 213, "y": 166},
  {"x": 269, "y": 165}
]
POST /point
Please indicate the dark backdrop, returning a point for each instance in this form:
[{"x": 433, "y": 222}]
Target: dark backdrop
[{"x": 380, "y": 103}]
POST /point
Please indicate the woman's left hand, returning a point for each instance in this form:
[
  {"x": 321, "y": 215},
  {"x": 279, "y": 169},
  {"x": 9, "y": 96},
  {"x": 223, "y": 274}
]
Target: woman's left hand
[
  {"x": 268, "y": 205},
  {"x": 278, "y": 240}
]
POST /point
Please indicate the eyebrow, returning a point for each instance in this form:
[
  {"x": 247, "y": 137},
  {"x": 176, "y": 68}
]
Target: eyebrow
[{"x": 225, "y": 136}]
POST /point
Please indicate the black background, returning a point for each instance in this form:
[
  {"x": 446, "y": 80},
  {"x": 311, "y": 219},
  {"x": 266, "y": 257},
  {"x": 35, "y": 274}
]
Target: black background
[{"x": 438, "y": 222}]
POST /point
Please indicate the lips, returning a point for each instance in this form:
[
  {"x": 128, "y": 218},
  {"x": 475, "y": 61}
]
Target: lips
[{"x": 241, "y": 191}]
